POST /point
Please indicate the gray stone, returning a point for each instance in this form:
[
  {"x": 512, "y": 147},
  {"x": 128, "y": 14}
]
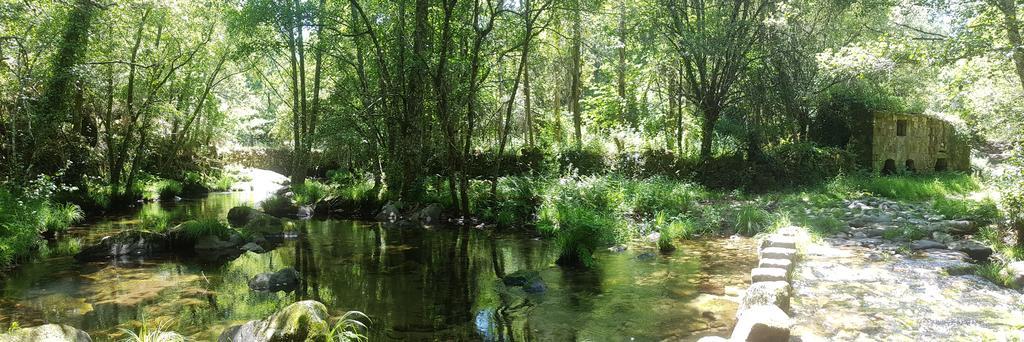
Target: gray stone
[
  {"x": 764, "y": 323},
  {"x": 761, "y": 274},
  {"x": 976, "y": 250},
  {"x": 776, "y": 263},
  {"x": 301, "y": 321},
  {"x": 283, "y": 280},
  {"x": 779, "y": 241},
  {"x": 1014, "y": 272},
  {"x": 926, "y": 244},
  {"x": 960, "y": 227},
  {"x": 252, "y": 247},
  {"x": 389, "y": 213},
  {"x": 431, "y": 214},
  {"x": 941, "y": 237},
  {"x": 618, "y": 248},
  {"x": 212, "y": 243},
  {"x": 775, "y": 293},
  {"x": 46, "y": 333},
  {"x": 241, "y": 215},
  {"x": 778, "y": 253},
  {"x": 304, "y": 212}
]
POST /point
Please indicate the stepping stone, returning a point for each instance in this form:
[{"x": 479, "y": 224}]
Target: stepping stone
[
  {"x": 760, "y": 274},
  {"x": 764, "y": 323},
  {"x": 926, "y": 244},
  {"x": 778, "y": 253},
  {"x": 779, "y": 241},
  {"x": 776, "y": 263},
  {"x": 775, "y": 293}
]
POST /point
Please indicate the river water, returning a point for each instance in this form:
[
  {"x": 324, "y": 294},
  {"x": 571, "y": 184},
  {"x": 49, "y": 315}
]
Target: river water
[{"x": 414, "y": 283}]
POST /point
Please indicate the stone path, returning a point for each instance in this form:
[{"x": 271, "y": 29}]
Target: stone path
[{"x": 853, "y": 293}]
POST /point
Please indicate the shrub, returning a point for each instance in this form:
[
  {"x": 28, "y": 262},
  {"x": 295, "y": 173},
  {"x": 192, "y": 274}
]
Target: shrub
[
  {"x": 751, "y": 220},
  {"x": 19, "y": 226}
]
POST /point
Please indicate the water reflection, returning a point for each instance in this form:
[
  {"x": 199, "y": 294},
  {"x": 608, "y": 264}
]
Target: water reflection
[{"x": 416, "y": 284}]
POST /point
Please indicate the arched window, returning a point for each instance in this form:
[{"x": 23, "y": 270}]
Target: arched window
[{"x": 889, "y": 167}]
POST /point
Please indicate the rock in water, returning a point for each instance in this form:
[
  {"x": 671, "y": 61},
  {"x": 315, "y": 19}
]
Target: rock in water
[
  {"x": 301, "y": 321},
  {"x": 241, "y": 215},
  {"x": 765, "y": 323},
  {"x": 134, "y": 243},
  {"x": 1014, "y": 271},
  {"x": 530, "y": 281},
  {"x": 976, "y": 250},
  {"x": 46, "y": 333},
  {"x": 252, "y": 247},
  {"x": 766, "y": 293},
  {"x": 284, "y": 280},
  {"x": 431, "y": 214},
  {"x": 389, "y": 213},
  {"x": 305, "y": 212},
  {"x": 926, "y": 244}
]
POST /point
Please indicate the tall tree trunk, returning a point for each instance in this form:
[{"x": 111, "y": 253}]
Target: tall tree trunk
[
  {"x": 575, "y": 87},
  {"x": 1012, "y": 24},
  {"x": 707, "y": 133}
]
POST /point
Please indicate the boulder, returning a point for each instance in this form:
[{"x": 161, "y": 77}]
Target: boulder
[
  {"x": 301, "y": 321},
  {"x": 775, "y": 293},
  {"x": 252, "y": 247},
  {"x": 283, "y": 280},
  {"x": 761, "y": 274},
  {"x": 264, "y": 224},
  {"x": 304, "y": 212},
  {"x": 776, "y": 263},
  {"x": 778, "y": 253},
  {"x": 241, "y": 215},
  {"x": 212, "y": 243},
  {"x": 389, "y": 213},
  {"x": 959, "y": 227},
  {"x": 974, "y": 249},
  {"x": 1014, "y": 272},
  {"x": 46, "y": 333},
  {"x": 431, "y": 214},
  {"x": 763, "y": 323},
  {"x": 130, "y": 243},
  {"x": 926, "y": 244}
]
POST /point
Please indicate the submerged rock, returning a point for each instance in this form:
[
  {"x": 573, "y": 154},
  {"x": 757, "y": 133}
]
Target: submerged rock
[
  {"x": 530, "y": 281},
  {"x": 926, "y": 244},
  {"x": 646, "y": 256},
  {"x": 46, "y": 333},
  {"x": 305, "y": 212},
  {"x": 283, "y": 280},
  {"x": 252, "y": 247},
  {"x": 618, "y": 248},
  {"x": 212, "y": 243},
  {"x": 131, "y": 243},
  {"x": 301, "y": 321},
  {"x": 389, "y": 213}
]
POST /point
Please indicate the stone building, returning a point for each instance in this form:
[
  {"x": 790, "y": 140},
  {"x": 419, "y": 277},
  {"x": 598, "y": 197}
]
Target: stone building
[{"x": 893, "y": 142}]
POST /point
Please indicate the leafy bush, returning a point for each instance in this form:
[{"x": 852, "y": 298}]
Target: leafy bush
[
  {"x": 751, "y": 220},
  {"x": 19, "y": 226}
]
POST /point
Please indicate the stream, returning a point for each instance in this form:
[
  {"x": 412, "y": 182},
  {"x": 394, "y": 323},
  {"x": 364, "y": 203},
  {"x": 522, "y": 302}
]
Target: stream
[{"x": 414, "y": 283}]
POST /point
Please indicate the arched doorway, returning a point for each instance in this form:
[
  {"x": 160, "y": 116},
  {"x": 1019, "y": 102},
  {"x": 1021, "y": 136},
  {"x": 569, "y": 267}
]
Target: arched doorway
[
  {"x": 941, "y": 165},
  {"x": 889, "y": 167},
  {"x": 910, "y": 166}
]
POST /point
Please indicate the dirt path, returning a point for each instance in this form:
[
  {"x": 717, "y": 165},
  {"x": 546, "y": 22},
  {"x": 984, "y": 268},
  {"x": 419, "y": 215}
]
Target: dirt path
[{"x": 854, "y": 293}]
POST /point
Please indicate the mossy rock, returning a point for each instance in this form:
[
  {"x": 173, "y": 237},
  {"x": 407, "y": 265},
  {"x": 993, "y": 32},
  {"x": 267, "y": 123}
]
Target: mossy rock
[
  {"x": 300, "y": 322},
  {"x": 46, "y": 333}
]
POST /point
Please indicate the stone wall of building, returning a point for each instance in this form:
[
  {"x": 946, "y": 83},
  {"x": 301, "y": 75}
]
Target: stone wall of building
[{"x": 926, "y": 144}]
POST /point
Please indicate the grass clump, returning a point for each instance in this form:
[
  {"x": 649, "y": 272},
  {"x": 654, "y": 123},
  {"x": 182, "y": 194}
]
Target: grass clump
[
  {"x": 277, "y": 206},
  {"x": 58, "y": 217},
  {"x": 146, "y": 333},
  {"x": 982, "y": 212},
  {"x": 910, "y": 187},
  {"x": 349, "y": 328},
  {"x": 582, "y": 215},
  {"x": 993, "y": 271},
  {"x": 161, "y": 189},
  {"x": 311, "y": 192},
  {"x": 751, "y": 220},
  {"x": 155, "y": 221}
]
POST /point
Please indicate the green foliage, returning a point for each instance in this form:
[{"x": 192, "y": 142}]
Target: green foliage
[
  {"x": 1012, "y": 186},
  {"x": 578, "y": 232},
  {"x": 161, "y": 189},
  {"x": 311, "y": 192},
  {"x": 57, "y": 217},
  {"x": 908, "y": 187},
  {"x": 155, "y": 221},
  {"x": 671, "y": 229},
  {"x": 981, "y": 212},
  {"x": 582, "y": 161},
  {"x": 277, "y": 206},
  {"x": 349, "y": 328},
  {"x": 751, "y": 220},
  {"x": 993, "y": 272},
  {"x": 147, "y": 333},
  {"x": 68, "y": 247}
]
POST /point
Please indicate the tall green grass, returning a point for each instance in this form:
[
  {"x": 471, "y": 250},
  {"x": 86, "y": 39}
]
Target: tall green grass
[
  {"x": 161, "y": 189},
  {"x": 907, "y": 187},
  {"x": 23, "y": 218},
  {"x": 311, "y": 192},
  {"x": 57, "y": 217},
  {"x": 751, "y": 220},
  {"x": 195, "y": 229},
  {"x": 349, "y": 328}
]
